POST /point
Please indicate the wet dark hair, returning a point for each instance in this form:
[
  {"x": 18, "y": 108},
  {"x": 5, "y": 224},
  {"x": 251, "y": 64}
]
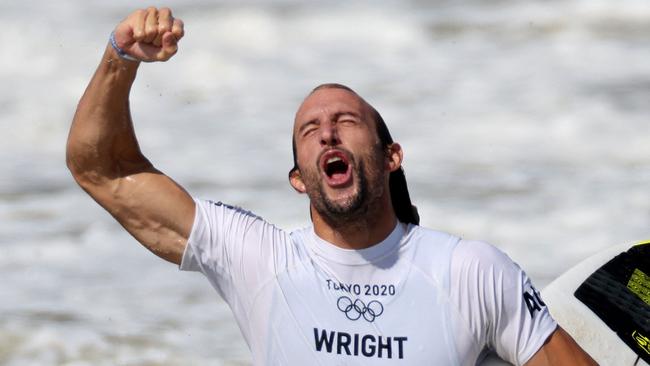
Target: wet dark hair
[{"x": 399, "y": 193}]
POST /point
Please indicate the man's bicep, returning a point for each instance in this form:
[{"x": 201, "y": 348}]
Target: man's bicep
[
  {"x": 504, "y": 311},
  {"x": 153, "y": 208},
  {"x": 560, "y": 349}
]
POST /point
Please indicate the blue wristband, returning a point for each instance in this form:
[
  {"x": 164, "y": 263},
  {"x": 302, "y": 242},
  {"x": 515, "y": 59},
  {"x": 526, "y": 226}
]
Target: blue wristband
[{"x": 120, "y": 52}]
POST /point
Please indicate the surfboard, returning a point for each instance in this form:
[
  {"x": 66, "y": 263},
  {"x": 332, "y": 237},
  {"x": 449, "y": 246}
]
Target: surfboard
[{"x": 604, "y": 304}]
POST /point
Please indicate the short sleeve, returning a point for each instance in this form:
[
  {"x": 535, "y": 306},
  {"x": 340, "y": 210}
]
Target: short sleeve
[
  {"x": 498, "y": 303},
  {"x": 233, "y": 248}
]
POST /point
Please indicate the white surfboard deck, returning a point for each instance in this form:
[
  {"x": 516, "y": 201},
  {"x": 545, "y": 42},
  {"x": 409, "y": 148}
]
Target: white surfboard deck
[{"x": 589, "y": 331}]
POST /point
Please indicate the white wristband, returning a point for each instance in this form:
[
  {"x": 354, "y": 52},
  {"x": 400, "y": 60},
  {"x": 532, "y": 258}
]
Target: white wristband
[{"x": 120, "y": 52}]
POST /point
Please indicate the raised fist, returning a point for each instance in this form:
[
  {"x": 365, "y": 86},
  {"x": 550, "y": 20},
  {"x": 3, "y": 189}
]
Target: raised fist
[{"x": 149, "y": 34}]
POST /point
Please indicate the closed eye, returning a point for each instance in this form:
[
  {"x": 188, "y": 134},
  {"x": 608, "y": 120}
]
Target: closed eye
[
  {"x": 347, "y": 121},
  {"x": 347, "y": 118},
  {"x": 309, "y": 127}
]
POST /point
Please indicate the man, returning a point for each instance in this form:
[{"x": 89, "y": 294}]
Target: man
[{"x": 364, "y": 285}]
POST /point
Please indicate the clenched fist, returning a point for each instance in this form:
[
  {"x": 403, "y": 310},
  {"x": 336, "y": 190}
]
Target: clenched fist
[{"x": 149, "y": 35}]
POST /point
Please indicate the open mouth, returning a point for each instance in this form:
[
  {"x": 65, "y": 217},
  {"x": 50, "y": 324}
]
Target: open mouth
[{"x": 336, "y": 166}]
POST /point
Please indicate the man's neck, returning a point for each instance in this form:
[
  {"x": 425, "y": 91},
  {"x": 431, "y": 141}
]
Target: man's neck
[{"x": 356, "y": 234}]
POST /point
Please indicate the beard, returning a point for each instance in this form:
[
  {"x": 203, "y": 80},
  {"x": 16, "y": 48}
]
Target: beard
[
  {"x": 352, "y": 207},
  {"x": 368, "y": 187}
]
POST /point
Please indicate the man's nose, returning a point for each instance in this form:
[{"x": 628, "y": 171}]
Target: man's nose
[{"x": 329, "y": 134}]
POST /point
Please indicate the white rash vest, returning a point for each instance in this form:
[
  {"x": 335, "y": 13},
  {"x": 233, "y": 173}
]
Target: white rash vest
[{"x": 420, "y": 297}]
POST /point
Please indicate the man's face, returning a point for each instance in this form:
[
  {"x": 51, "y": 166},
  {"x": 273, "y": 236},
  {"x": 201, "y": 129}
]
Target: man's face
[{"x": 340, "y": 158}]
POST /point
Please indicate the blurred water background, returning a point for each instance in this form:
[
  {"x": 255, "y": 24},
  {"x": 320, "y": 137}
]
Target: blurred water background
[{"x": 526, "y": 124}]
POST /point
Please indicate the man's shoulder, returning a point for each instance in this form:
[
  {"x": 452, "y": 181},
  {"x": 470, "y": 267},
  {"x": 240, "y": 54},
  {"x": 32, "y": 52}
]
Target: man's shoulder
[
  {"x": 481, "y": 258},
  {"x": 218, "y": 206},
  {"x": 301, "y": 235},
  {"x": 462, "y": 252},
  {"x": 481, "y": 251},
  {"x": 431, "y": 250}
]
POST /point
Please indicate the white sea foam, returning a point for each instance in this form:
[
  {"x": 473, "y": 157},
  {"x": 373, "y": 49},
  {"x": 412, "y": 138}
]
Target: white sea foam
[{"x": 524, "y": 124}]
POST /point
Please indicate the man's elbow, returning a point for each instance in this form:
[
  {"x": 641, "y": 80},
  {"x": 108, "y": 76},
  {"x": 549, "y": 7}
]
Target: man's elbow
[{"x": 86, "y": 173}]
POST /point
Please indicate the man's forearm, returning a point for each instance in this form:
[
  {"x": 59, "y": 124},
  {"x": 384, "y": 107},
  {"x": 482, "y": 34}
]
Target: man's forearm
[
  {"x": 102, "y": 144},
  {"x": 560, "y": 349}
]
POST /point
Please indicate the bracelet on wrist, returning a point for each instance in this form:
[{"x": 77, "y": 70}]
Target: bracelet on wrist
[{"x": 120, "y": 52}]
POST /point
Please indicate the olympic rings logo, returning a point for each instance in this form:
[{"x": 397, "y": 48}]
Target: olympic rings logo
[{"x": 354, "y": 310}]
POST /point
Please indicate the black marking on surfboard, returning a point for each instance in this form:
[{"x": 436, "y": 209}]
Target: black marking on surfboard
[{"x": 618, "y": 293}]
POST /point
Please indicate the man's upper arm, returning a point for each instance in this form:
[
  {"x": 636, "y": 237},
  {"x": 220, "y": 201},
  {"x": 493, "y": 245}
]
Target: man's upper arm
[
  {"x": 502, "y": 308},
  {"x": 560, "y": 349},
  {"x": 521, "y": 328},
  {"x": 152, "y": 207}
]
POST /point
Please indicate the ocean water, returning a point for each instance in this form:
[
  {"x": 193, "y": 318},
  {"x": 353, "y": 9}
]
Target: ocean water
[{"x": 526, "y": 124}]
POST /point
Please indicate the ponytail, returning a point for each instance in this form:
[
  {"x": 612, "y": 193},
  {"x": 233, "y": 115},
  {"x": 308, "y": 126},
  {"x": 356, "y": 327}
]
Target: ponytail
[{"x": 399, "y": 195}]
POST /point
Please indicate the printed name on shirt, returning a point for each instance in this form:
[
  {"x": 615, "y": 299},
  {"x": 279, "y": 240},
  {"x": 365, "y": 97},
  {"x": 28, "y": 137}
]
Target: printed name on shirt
[
  {"x": 357, "y": 289},
  {"x": 533, "y": 301},
  {"x": 354, "y": 344}
]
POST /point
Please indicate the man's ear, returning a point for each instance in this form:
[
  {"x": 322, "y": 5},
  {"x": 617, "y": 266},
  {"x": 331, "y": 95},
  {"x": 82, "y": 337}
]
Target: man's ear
[
  {"x": 394, "y": 157},
  {"x": 295, "y": 179}
]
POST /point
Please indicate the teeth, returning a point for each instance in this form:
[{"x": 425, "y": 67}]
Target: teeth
[{"x": 333, "y": 160}]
